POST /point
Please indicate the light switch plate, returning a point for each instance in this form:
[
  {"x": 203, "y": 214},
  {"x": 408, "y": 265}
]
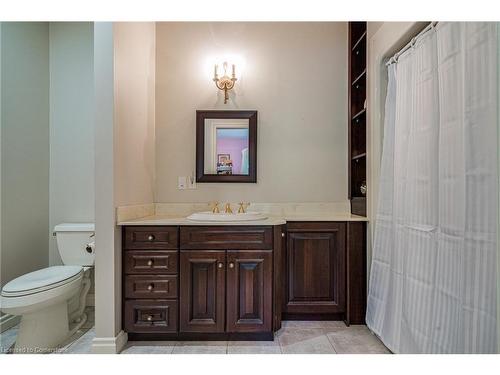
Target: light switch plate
[
  {"x": 181, "y": 182},
  {"x": 191, "y": 182}
]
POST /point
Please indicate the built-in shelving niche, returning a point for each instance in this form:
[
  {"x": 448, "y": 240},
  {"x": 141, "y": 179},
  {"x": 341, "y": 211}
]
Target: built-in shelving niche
[{"x": 357, "y": 117}]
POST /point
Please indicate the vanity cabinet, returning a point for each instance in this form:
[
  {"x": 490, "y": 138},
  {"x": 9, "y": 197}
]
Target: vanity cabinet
[
  {"x": 225, "y": 291},
  {"x": 240, "y": 281},
  {"x": 227, "y": 286},
  {"x": 202, "y": 281}
]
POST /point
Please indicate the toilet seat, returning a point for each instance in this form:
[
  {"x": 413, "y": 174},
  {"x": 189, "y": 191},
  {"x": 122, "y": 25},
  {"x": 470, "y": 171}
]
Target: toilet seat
[{"x": 42, "y": 280}]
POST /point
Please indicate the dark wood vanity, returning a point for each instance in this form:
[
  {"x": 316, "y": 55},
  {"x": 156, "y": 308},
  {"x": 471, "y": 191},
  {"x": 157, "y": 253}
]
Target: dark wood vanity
[{"x": 238, "y": 281}]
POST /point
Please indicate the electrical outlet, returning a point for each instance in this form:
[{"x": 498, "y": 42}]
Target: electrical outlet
[{"x": 181, "y": 182}]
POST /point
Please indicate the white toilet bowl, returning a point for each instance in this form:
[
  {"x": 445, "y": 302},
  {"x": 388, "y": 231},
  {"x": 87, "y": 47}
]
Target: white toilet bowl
[
  {"x": 41, "y": 298},
  {"x": 51, "y": 301}
]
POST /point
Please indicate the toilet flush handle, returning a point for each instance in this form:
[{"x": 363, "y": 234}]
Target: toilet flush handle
[{"x": 90, "y": 247}]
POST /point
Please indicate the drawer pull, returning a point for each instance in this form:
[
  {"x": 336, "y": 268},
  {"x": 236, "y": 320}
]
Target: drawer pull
[
  {"x": 231, "y": 265},
  {"x": 150, "y": 287},
  {"x": 150, "y": 318},
  {"x": 151, "y": 238},
  {"x": 150, "y": 262}
]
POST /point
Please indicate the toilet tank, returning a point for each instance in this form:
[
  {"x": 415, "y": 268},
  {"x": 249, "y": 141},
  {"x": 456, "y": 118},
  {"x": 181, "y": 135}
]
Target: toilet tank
[{"x": 75, "y": 242}]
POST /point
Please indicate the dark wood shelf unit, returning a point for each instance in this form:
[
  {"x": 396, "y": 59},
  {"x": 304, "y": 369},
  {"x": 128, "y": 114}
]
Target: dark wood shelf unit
[{"x": 357, "y": 116}]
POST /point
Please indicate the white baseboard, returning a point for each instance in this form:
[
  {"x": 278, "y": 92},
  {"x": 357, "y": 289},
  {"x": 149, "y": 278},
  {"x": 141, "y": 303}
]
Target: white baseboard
[
  {"x": 109, "y": 345},
  {"x": 8, "y": 321}
]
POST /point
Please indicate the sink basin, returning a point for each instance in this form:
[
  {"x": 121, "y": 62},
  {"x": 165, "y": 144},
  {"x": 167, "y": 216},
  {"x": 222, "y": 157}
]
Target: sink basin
[{"x": 223, "y": 217}]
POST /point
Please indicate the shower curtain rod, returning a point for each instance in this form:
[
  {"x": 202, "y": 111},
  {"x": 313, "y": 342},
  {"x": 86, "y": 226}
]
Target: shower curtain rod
[{"x": 394, "y": 59}]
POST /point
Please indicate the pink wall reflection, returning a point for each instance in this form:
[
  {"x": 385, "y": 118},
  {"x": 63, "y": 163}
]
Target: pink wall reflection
[{"x": 233, "y": 147}]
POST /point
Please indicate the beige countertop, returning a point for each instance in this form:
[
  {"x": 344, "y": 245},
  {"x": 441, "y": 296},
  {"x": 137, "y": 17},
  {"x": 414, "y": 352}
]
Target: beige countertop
[{"x": 271, "y": 220}]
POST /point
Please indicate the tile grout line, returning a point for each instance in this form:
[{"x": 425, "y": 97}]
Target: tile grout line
[
  {"x": 173, "y": 347},
  {"x": 331, "y": 343}
]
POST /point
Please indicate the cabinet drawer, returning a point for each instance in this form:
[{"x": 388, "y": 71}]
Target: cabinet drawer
[
  {"x": 150, "y": 316},
  {"x": 315, "y": 226},
  {"x": 151, "y": 237},
  {"x": 154, "y": 286},
  {"x": 226, "y": 237},
  {"x": 150, "y": 262}
]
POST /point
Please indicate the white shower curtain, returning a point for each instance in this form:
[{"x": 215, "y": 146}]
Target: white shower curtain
[{"x": 433, "y": 274}]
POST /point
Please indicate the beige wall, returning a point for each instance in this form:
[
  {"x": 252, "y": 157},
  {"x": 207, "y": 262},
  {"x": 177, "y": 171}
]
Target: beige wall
[
  {"x": 71, "y": 126},
  {"x": 24, "y": 148},
  {"x": 295, "y": 76},
  {"x": 134, "y": 69}
]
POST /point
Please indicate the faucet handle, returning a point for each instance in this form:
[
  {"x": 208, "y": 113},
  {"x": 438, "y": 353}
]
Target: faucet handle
[
  {"x": 215, "y": 208},
  {"x": 243, "y": 207}
]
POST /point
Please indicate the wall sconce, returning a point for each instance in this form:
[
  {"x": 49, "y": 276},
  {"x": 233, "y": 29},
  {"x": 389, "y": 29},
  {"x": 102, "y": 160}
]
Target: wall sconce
[{"x": 225, "y": 83}]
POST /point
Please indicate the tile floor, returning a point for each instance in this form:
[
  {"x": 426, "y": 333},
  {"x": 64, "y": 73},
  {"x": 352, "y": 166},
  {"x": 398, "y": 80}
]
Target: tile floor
[{"x": 296, "y": 337}]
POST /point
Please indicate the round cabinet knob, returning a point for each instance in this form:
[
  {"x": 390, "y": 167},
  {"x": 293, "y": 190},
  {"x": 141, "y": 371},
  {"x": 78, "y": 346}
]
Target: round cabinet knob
[
  {"x": 151, "y": 238},
  {"x": 231, "y": 265},
  {"x": 150, "y": 262},
  {"x": 150, "y": 287},
  {"x": 150, "y": 318},
  {"x": 283, "y": 235},
  {"x": 220, "y": 265}
]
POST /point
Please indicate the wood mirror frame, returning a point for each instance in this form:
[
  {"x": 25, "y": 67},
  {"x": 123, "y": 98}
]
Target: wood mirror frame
[{"x": 200, "y": 145}]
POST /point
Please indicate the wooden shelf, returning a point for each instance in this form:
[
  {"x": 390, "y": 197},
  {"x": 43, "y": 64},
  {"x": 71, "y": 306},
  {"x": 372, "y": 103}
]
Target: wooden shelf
[
  {"x": 358, "y": 77},
  {"x": 359, "y": 156},
  {"x": 358, "y": 114},
  {"x": 359, "y": 41}
]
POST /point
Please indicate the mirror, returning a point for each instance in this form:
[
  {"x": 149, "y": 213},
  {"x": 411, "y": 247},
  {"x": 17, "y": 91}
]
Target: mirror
[{"x": 226, "y": 146}]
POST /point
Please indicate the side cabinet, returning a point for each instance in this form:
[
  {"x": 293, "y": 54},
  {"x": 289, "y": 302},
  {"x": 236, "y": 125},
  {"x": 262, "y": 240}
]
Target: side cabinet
[
  {"x": 325, "y": 265},
  {"x": 315, "y": 267}
]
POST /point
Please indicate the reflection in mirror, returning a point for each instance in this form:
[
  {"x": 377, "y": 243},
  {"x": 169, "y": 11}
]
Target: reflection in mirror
[{"x": 226, "y": 146}]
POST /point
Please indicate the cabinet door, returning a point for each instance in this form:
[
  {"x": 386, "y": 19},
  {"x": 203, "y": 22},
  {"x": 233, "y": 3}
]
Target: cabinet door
[
  {"x": 249, "y": 291},
  {"x": 316, "y": 277},
  {"x": 202, "y": 291}
]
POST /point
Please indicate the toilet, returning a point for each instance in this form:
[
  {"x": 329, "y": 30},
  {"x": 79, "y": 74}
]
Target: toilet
[{"x": 51, "y": 301}]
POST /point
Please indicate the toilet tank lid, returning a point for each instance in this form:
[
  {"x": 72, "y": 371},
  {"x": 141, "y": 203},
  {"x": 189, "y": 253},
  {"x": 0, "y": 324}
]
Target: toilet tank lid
[{"x": 75, "y": 227}]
